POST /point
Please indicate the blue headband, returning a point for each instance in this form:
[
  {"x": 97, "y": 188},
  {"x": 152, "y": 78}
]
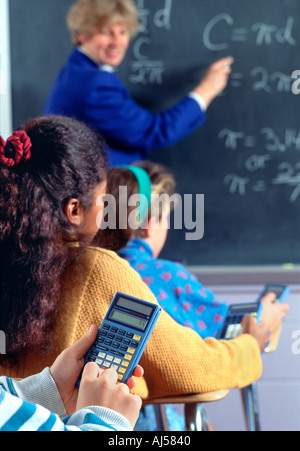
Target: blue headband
[{"x": 144, "y": 184}]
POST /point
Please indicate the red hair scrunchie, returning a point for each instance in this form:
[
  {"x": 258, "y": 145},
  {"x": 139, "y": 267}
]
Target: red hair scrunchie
[{"x": 15, "y": 150}]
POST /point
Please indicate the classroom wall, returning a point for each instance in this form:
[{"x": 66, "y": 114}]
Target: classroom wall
[
  {"x": 5, "y": 82},
  {"x": 279, "y": 387}
]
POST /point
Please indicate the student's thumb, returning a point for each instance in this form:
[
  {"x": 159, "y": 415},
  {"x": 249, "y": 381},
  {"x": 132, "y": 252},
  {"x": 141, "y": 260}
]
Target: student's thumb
[
  {"x": 79, "y": 349},
  {"x": 91, "y": 371}
]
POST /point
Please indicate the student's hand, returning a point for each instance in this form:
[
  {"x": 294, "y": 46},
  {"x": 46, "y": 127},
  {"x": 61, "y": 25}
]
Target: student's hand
[
  {"x": 215, "y": 80},
  {"x": 272, "y": 313},
  {"x": 100, "y": 388},
  {"x": 260, "y": 331},
  {"x": 68, "y": 366}
]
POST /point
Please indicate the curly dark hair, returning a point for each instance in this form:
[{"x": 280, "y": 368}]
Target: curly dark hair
[{"x": 67, "y": 161}]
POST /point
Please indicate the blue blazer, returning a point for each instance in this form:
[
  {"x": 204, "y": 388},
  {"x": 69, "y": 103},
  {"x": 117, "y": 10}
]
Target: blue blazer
[{"x": 97, "y": 97}]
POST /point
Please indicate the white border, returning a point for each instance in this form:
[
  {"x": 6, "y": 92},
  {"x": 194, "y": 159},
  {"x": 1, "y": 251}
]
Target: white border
[{"x": 5, "y": 72}]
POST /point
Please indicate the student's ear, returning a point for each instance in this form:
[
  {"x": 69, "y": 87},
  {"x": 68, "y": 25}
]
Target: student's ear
[
  {"x": 74, "y": 212},
  {"x": 153, "y": 225},
  {"x": 146, "y": 231}
]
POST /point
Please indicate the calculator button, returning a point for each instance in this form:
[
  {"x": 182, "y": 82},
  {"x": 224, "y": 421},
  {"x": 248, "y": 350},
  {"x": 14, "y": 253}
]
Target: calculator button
[
  {"x": 109, "y": 358},
  {"x": 233, "y": 331},
  {"x": 137, "y": 338},
  {"x": 116, "y": 345},
  {"x": 102, "y": 333},
  {"x": 131, "y": 350},
  {"x": 108, "y": 342},
  {"x": 119, "y": 338},
  {"x": 105, "y": 326},
  {"x": 128, "y": 357},
  {"x": 99, "y": 361},
  {"x": 230, "y": 332},
  {"x": 238, "y": 330},
  {"x": 123, "y": 348},
  {"x": 114, "y": 367},
  {"x": 134, "y": 344},
  {"x": 119, "y": 354},
  {"x": 117, "y": 361},
  {"x": 121, "y": 332},
  {"x": 129, "y": 335},
  {"x": 102, "y": 348},
  {"x": 122, "y": 370},
  {"x": 120, "y": 377},
  {"x": 126, "y": 341},
  {"x": 111, "y": 336},
  {"x": 124, "y": 363},
  {"x": 106, "y": 365},
  {"x": 114, "y": 330}
]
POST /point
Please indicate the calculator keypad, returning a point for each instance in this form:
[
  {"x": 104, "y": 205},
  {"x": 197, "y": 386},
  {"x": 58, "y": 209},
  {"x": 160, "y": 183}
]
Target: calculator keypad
[
  {"x": 114, "y": 348},
  {"x": 233, "y": 327}
]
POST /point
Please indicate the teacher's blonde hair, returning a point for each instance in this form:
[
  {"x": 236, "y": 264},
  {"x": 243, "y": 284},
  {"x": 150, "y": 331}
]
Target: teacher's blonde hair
[{"x": 87, "y": 17}]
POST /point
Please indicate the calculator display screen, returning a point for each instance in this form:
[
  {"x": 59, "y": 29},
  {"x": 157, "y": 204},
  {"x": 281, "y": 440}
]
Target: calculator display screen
[
  {"x": 274, "y": 289},
  {"x": 135, "y": 306},
  {"x": 244, "y": 308},
  {"x": 129, "y": 319}
]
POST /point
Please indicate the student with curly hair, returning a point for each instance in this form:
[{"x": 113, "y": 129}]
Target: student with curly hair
[{"x": 55, "y": 283}]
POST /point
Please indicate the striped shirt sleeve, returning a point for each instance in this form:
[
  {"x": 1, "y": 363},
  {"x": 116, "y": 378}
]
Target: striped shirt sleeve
[
  {"x": 34, "y": 404},
  {"x": 19, "y": 415}
]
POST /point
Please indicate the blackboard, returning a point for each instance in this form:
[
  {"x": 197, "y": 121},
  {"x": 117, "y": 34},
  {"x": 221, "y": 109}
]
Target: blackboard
[{"x": 245, "y": 159}]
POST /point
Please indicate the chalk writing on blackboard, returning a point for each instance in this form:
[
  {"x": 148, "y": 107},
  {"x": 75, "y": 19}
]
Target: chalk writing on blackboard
[
  {"x": 286, "y": 174},
  {"x": 263, "y": 153},
  {"x": 143, "y": 69},
  {"x": 272, "y": 142},
  {"x": 263, "y": 33}
]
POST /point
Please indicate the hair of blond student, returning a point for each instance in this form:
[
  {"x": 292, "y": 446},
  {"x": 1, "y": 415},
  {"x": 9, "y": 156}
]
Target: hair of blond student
[
  {"x": 162, "y": 183},
  {"x": 87, "y": 17}
]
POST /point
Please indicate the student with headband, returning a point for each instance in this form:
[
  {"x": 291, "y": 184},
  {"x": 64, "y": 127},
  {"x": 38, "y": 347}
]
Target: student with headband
[{"x": 177, "y": 290}]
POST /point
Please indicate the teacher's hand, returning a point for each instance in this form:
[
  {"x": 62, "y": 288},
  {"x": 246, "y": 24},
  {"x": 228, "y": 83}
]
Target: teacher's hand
[{"x": 215, "y": 80}]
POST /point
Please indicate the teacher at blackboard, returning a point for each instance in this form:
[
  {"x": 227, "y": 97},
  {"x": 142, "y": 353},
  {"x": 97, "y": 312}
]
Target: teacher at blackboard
[{"x": 88, "y": 89}]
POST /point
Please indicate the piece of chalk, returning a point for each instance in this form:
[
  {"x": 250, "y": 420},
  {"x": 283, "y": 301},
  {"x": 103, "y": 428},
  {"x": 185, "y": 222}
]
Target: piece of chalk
[{"x": 288, "y": 266}]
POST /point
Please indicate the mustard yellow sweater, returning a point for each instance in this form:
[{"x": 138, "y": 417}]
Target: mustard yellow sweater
[{"x": 176, "y": 360}]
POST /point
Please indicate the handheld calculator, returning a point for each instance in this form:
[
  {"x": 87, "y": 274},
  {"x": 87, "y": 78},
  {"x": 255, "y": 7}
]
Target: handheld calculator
[
  {"x": 123, "y": 335},
  {"x": 281, "y": 291},
  {"x": 232, "y": 324}
]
